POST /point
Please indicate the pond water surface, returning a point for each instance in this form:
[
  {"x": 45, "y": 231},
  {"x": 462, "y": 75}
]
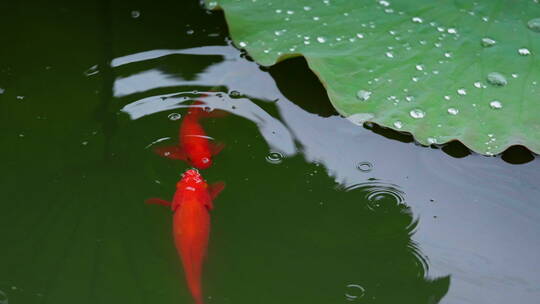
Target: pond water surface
[{"x": 316, "y": 209}]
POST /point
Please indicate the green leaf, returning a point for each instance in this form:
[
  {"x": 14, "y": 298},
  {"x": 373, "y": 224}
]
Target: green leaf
[{"x": 441, "y": 70}]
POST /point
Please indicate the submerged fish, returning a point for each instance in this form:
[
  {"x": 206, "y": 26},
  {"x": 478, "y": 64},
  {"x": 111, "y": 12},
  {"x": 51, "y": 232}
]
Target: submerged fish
[
  {"x": 191, "y": 205},
  {"x": 194, "y": 146}
]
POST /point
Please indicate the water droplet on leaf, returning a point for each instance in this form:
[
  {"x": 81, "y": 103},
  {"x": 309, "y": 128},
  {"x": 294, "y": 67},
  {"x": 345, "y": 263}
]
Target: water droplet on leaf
[
  {"x": 488, "y": 42},
  {"x": 417, "y": 113},
  {"x": 363, "y": 95},
  {"x": 524, "y": 51},
  {"x": 495, "y": 104},
  {"x": 453, "y": 111},
  {"x": 497, "y": 79},
  {"x": 534, "y": 24}
]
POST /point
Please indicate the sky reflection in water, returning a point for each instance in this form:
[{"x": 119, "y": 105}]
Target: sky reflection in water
[{"x": 468, "y": 209}]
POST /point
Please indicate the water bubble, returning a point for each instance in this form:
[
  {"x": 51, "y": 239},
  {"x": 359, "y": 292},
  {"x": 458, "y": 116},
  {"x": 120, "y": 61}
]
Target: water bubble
[
  {"x": 447, "y": 97},
  {"x": 307, "y": 8},
  {"x": 174, "y": 116},
  {"x": 384, "y": 3},
  {"x": 462, "y": 92},
  {"x": 364, "y": 166},
  {"x": 477, "y": 85},
  {"x": 495, "y": 104},
  {"x": 135, "y": 14},
  {"x": 234, "y": 94},
  {"x": 208, "y": 109},
  {"x": 534, "y": 24},
  {"x": 383, "y": 198},
  {"x": 274, "y": 158},
  {"x": 419, "y": 67},
  {"x": 20, "y": 97},
  {"x": 447, "y": 54},
  {"x": 497, "y": 79},
  {"x": 190, "y": 32},
  {"x": 242, "y": 44},
  {"x": 524, "y": 51},
  {"x": 398, "y": 124},
  {"x": 417, "y": 113},
  {"x": 278, "y": 11},
  {"x": 290, "y": 12},
  {"x": 488, "y": 42},
  {"x": 417, "y": 20},
  {"x": 363, "y": 95},
  {"x": 389, "y": 54},
  {"x": 316, "y": 18},
  {"x": 321, "y": 39},
  {"x": 453, "y": 111},
  {"x": 360, "y": 36},
  {"x": 354, "y": 292},
  {"x": 452, "y": 31},
  {"x": 2, "y": 91},
  {"x": 431, "y": 140}
]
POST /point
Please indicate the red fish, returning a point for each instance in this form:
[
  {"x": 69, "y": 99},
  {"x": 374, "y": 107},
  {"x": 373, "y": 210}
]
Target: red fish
[
  {"x": 193, "y": 145},
  {"x": 191, "y": 205}
]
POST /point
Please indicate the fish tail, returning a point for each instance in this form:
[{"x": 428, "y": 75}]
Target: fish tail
[{"x": 193, "y": 271}]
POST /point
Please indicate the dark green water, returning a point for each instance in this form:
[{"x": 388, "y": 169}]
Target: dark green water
[{"x": 348, "y": 215}]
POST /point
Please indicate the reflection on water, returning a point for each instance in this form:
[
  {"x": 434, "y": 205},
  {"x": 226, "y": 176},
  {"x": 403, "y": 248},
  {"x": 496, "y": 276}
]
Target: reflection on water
[
  {"x": 240, "y": 87},
  {"x": 310, "y": 133},
  {"x": 386, "y": 203},
  {"x": 317, "y": 211}
]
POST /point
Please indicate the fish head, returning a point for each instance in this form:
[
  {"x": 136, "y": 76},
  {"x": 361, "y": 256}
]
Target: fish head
[
  {"x": 202, "y": 163},
  {"x": 192, "y": 180}
]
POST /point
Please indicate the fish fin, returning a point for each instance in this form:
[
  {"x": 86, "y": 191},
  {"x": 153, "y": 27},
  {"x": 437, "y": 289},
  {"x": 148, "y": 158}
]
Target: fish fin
[
  {"x": 215, "y": 148},
  {"x": 158, "y": 201},
  {"x": 172, "y": 152},
  {"x": 215, "y": 189}
]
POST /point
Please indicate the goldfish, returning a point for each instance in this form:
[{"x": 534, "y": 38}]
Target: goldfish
[
  {"x": 193, "y": 145},
  {"x": 191, "y": 206}
]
